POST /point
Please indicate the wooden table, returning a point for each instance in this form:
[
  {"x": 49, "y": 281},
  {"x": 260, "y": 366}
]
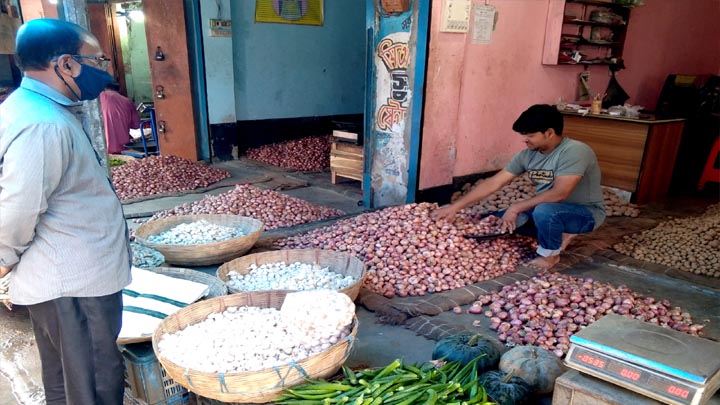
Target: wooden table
[{"x": 636, "y": 155}]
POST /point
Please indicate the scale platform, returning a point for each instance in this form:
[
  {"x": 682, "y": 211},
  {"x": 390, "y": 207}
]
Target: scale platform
[{"x": 660, "y": 363}]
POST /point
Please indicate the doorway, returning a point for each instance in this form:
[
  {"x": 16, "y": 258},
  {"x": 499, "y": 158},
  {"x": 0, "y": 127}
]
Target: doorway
[
  {"x": 293, "y": 86},
  {"x": 134, "y": 51}
]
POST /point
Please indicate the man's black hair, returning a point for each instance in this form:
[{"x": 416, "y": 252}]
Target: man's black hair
[
  {"x": 40, "y": 41},
  {"x": 113, "y": 86},
  {"x": 539, "y": 118}
]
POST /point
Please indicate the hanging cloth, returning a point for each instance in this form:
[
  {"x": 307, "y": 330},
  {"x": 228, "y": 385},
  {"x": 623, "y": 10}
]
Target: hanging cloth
[{"x": 614, "y": 95}]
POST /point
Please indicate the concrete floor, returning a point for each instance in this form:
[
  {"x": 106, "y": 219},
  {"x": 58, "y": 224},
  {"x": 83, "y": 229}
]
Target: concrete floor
[{"x": 378, "y": 344}]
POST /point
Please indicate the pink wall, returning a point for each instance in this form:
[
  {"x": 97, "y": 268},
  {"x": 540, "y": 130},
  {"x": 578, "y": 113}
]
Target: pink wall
[
  {"x": 666, "y": 37},
  {"x": 34, "y": 9},
  {"x": 475, "y": 92}
]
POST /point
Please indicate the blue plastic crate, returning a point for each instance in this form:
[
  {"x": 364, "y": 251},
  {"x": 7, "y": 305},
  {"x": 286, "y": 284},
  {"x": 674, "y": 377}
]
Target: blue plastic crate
[{"x": 147, "y": 380}]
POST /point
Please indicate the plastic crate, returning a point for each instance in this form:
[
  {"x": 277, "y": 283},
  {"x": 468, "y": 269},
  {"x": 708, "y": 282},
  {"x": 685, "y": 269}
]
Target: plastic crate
[{"x": 148, "y": 381}]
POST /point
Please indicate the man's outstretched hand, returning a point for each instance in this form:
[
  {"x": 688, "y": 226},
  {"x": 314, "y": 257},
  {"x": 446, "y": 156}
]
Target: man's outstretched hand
[
  {"x": 446, "y": 212},
  {"x": 509, "y": 221}
]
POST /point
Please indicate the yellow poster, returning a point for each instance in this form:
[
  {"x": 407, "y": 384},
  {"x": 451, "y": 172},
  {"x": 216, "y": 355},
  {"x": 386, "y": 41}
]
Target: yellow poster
[{"x": 306, "y": 12}]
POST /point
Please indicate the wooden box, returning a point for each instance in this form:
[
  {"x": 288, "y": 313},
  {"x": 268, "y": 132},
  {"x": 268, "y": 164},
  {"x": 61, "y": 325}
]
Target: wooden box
[
  {"x": 347, "y": 136},
  {"x": 346, "y": 160}
]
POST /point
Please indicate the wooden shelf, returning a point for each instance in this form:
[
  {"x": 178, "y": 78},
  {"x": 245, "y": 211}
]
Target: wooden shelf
[
  {"x": 599, "y": 3},
  {"x": 587, "y": 42},
  {"x": 583, "y": 63},
  {"x": 594, "y": 23},
  {"x": 571, "y": 19}
]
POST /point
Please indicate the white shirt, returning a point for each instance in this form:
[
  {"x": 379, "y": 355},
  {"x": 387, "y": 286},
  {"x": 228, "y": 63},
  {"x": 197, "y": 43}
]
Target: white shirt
[{"x": 61, "y": 223}]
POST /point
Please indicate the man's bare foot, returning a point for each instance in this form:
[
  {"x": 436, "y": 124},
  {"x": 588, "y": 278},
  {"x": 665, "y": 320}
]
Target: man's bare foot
[
  {"x": 544, "y": 263},
  {"x": 566, "y": 239}
]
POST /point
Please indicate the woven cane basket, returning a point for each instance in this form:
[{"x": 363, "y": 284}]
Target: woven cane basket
[
  {"x": 338, "y": 262},
  {"x": 204, "y": 254},
  {"x": 259, "y": 386}
]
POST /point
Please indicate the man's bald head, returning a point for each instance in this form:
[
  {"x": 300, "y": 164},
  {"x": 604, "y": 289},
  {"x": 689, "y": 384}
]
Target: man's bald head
[{"x": 39, "y": 41}]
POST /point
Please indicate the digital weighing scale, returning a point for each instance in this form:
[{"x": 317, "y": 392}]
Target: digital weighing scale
[{"x": 660, "y": 363}]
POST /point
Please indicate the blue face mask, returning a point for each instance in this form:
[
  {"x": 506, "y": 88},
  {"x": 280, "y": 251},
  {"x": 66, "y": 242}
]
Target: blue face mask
[{"x": 92, "y": 81}]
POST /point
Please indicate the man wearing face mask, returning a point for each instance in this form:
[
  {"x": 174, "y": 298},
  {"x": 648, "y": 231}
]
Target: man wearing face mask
[{"x": 63, "y": 238}]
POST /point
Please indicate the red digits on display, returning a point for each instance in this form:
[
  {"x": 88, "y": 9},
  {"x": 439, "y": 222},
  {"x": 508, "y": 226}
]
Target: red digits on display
[
  {"x": 591, "y": 360},
  {"x": 677, "y": 391},
  {"x": 630, "y": 374}
]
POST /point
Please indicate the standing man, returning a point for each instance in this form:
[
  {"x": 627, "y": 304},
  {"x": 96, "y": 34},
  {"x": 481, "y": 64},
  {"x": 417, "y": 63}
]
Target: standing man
[
  {"x": 119, "y": 115},
  {"x": 63, "y": 237},
  {"x": 568, "y": 198}
]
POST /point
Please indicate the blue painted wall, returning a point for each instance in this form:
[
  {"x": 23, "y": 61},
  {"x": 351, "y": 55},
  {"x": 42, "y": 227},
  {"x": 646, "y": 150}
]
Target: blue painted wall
[
  {"x": 289, "y": 71},
  {"x": 218, "y": 66}
]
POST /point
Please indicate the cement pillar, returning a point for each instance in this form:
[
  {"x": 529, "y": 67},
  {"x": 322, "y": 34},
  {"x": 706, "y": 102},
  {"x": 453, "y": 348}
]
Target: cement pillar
[{"x": 75, "y": 11}]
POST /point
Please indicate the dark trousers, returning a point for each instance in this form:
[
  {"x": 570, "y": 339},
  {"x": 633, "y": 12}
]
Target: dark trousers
[{"x": 76, "y": 337}]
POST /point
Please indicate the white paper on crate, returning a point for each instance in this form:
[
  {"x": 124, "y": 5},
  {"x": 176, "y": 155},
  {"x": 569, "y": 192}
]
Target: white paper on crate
[{"x": 149, "y": 284}]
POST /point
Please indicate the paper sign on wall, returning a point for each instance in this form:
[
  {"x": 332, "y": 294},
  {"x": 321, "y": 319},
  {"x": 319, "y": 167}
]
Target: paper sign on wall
[
  {"x": 455, "y": 16},
  {"x": 483, "y": 23},
  {"x": 220, "y": 28}
]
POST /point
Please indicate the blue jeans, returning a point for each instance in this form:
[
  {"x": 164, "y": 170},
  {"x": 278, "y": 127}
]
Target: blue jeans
[{"x": 548, "y": 221}]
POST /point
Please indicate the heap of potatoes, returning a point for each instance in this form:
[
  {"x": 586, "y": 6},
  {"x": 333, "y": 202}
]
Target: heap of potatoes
[
  {"x": 521, "y": 188},
  {"x": 689, "y": 244}
]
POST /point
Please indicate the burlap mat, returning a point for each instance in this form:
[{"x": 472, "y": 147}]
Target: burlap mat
[
  {"x": 398, "y": 311},
  {"x": 229, "y": 182}
]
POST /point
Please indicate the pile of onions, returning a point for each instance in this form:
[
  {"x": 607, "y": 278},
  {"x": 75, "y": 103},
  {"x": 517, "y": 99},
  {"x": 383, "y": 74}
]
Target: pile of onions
[
  {"x": 274, "y": 209},
  {"x": 306, "y": 154},
  {"x": 549, "y": 308},
  {"x": 407, "y": 252},
  {"x": 162, "y": 174},
  {"x": 688, "y": 244},
  {"x": 522, "y": 189}
]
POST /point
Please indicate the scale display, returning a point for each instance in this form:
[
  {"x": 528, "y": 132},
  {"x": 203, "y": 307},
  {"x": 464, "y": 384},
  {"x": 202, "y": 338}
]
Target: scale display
[{"x": 660, "y": 363}]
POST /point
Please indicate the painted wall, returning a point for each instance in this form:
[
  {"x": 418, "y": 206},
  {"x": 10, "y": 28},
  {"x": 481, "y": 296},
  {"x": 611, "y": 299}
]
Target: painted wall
[
  {"x": 34, "y": 9},
  {"x": 288, "y": 71},
  {"x": 136, "y": 62},
  {"x": 217, "y": 53},
  {"x": 475, "y": 92},
  {"x": 656, "y": 47}
]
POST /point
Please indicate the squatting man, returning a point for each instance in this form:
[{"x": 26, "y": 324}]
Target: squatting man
[{"x": 568, "y": 197}]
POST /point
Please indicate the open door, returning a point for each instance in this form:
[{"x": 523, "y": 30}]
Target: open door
[{"x": 171, "y": 78}]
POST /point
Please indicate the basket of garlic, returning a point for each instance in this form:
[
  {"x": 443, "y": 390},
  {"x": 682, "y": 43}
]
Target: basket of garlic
[
  {"x": 250, "y": 347},
  {"x": 200, "y": 240},
  {"x": 294, "y": 270}
]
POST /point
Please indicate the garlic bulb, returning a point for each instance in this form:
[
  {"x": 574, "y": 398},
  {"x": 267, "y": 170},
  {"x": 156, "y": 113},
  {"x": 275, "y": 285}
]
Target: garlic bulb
[
  {"x": 295, "y": 276},
  {"x": 243, "y": 339}
]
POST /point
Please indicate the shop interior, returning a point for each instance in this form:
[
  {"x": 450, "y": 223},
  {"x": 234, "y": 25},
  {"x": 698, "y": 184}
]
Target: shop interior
[{"x": 286, "y": 108}]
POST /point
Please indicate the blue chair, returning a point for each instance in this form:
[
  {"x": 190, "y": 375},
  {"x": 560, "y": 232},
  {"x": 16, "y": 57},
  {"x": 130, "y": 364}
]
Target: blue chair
[{"x": 149, "y": 148}]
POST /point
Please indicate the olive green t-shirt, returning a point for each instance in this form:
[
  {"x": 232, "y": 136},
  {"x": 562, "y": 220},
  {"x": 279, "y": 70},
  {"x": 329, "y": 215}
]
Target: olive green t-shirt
[{"x": 570, "y": 157}]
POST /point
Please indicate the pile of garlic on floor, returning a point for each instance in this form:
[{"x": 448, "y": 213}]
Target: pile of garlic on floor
[
  {"x": 145, "y": 257},
  {"x": 688, "y": 244},
  {"x": 196, "y": 233},
  {"x": 295, "y": 276},
  {"x": 521, "y": 188},
  {"x": 244, "y": 339}
]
